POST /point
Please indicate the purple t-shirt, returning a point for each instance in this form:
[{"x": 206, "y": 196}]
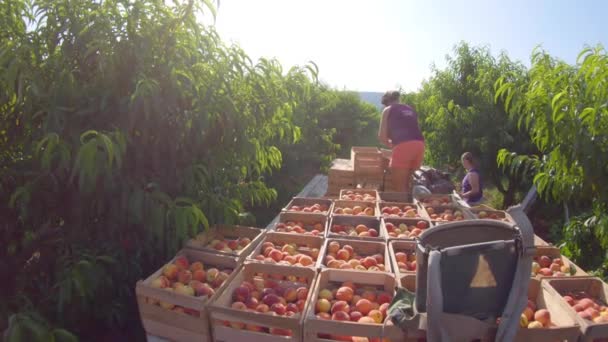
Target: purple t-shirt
[{"x": 403, "y": 124}]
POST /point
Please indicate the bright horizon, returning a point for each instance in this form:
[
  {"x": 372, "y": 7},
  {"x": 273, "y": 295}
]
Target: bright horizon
[{"x": 375, "y": 46}]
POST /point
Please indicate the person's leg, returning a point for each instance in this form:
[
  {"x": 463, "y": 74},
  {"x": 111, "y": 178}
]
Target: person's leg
[
  {"x": 399, "y": 179},
  {"x": 398, "y": 166},
  {"x": 414, "y": 156}
]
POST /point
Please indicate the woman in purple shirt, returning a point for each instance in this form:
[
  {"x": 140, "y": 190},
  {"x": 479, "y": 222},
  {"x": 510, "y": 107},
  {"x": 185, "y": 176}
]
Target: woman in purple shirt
[
  {"x": 399, "y": 130},
  {"x": 472, "y": 190}
]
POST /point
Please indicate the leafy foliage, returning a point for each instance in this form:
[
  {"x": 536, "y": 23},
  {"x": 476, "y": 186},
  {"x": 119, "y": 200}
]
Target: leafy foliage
[
  {"x": 125, "y": 128},
  {"x": 458, "y": 113},
  {"x": 565, "y": 110}
]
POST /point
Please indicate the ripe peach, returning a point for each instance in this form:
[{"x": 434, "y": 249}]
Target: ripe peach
[
  {"x": 323, "y": 315},
  {"x": 252, "y": 303},
  {"x": 326, "y": 294},
  {"x": 170, "y": 271},
  {"x": 544, "y": 261},
  {"x": 384, "y": 309},
  {"x": 376, "y": 315},
  {"x": 346, "y": 266},
  {"x": 276, "y": 255},
  {"x": 343, "y": 254},
  {"x": 535, "y": 325},
  {"x": 290, "y": 294},
  {"x": 333, "y": 247},
  {"x": 555, "y": 268},
  {"x": 401, "y": 257},
  {"x": 241, "y": 294},
  {"x": 160, "y": 282},
  {"x": 569, "y": 300},
  {"x": 369, "y": 295},
  {"x": 543, "y": 316},
  {"x": 355, "y": 316},
  {"x": 289, "y": 249},
  {"x": 369, "y": 262},
  {"x": 199, "y": 275},
  {"x": 367, "y": 320},
  {"x": 279, "y": 308},
  {"x": 528, "y": 313},
  {"x": 340, "y": 316},
  {"x": 212, "y": 273},
  {"x": 182, "y": 263},
  {"x": 364, "y": 306},
  {"x": 239, "y": 306},
  {"x": 292, "y": 307},
  {"x": 271, "y": 299},
  {"x": 345, "y": 293},
  {"x": 323, "y": 305},
  {"x": 545, "y": 272},
  {"x": 306, "y": 260},
  {"x": 262, "y": 308},
  {"x": 340, "y": 305},
  {"x": 314, "y": 253},
  {"x": 384, "y": 297},
  {"x": 197, "y": 265},
  {"x": 301, "y": 303}
]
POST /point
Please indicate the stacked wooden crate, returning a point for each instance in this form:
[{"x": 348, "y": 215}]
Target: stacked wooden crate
[{"x": 341, "y": 176}]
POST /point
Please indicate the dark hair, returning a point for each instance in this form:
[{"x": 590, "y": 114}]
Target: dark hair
[{"x": 390, "y": 96}]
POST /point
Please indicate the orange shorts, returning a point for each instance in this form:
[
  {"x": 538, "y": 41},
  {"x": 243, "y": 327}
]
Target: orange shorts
[{"x": 408, "y": 155}]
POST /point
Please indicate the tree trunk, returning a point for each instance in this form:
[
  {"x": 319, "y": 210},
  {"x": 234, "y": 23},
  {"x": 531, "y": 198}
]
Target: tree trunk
[{"x": 509, "y": 195}]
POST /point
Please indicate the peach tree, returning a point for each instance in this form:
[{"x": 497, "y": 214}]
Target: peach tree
[{"x": 125, "y": 128}]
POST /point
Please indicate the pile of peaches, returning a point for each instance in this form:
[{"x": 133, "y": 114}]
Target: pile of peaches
[
  {"x": 362, "y": 210},
  {"x": 587, "y": 307},
  {"x": 222, "y": 244},
  {"x": 290, "y": 254},
  {"x": 314, "y": 229},
  {"x": 358, "y": 196},
  {"x": 447, "y": 215},
  {"x": 270, "y": 296},
  {"x": 436, "y": 201},
  {"x": 407, "y": 210},
  {"x": 545, "y": 266},
  {"x": 406, "y": 261},
  {"x": 317, "y": 208},
  {"x": 351, "y": 302},
  {"x": 405, "y": 231},
  {"x": 492, "y": 215},
  {"x": 533, "y": 318},
  {"x": 359, "y": 230},
  {"x": 343, "y": 256},
  {"x": 188, "y": 279}
]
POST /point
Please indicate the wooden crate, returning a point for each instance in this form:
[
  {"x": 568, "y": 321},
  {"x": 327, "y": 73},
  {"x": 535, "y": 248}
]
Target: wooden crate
[
  {"x": 398, "y": 221},
  {"x": 307, "y": 221},
  {"x": 420, "y": 213},
  {"x": 166, "y": 323},
  {"x": 554, "y": 253},
  {"x": 341, "y": 168},
  {"x": 367, "y": 161},
  {"x": 363, "y": 248},
  {"x": 221, "y": 310},
  {"x": 314, "y": 326},
  {"x": 595, "y": 287},
  {"x": 392, "y": 196},
  {"x": 370, "y": 222},
  {"x": 344, "y": 193},
  {"x": 306, "y": 245},
  {"x": 437, "y": 210},
  {"x": 307, "y": 202},
  {"x": 341, "y": 204},
  {"x": 202, "y": 240},
  {"x": 566, "y": 328},
  {"x": 499, "y": 214},
  {"x": 407, "y": 247}
]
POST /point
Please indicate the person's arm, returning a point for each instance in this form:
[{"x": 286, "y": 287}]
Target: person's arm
[
  {"x": 474, "y": 181},
  {"x": 383, "y": 130}
]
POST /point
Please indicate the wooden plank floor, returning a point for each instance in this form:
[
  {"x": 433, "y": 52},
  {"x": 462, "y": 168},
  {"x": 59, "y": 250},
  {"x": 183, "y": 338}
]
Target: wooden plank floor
[{"x": 317, "y": 187}]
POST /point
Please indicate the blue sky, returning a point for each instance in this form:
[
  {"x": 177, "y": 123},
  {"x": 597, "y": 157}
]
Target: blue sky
[{"x": 377, "y": 45}]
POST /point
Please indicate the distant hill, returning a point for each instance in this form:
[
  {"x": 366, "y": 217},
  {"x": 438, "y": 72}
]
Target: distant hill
[{"x": 372, "y": 97}]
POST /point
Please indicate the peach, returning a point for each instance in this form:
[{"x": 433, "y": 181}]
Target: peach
[
  {"x": 289, "y": 249},
  {"x": 354, "y": 263},
  {"x": 544, "y": 261},
  {"x": 369, "y": 295},
  {"x": 212, "y": 273},
  {"x": 239, "y": 306},
  {"x": 279, "y": 308},
  {"x": 262, "y": 308},
  {"x": 170, "y": 271},
  {"x": 343, "y": 254},
  {"x": 384, "y": 297},
  {"x": 306, "y": 260},
  {"x": 555, "y": 268},
  {"x": 345, "y": 293},
  {"x": 376, "y": 315},
  {"x": 323, "y": 305},
  {"x": 528, "y": 313},
  {"x": 355, "y": 316},
  {"x": 292, "y": 307},
  {"x": 545, "y": 272},
  {"x": 543, "y": 316},
  {"x": 197, "y": 265},
  {"x": 301, "y": 293},
  {"x": 384, "y": 309},
  {"x": 367, "y": 320},
  {"x": 333, "y": 247},
  {"x": 160, "y": 282},
  {"x": 326, "y": 294},
  {"x": 361, "y": 228},
  {"x": 340, "y": 305},
  {"x": 241, "y": 294},
  {"x": 185, "y": 290},
  {"x": 182, "y": 263},
  {"x": 290, "y": 294},
  {"x": 271, "y": 299},
  {"x": 340, "y": 316},
  {"x": 401, "y": 257},
  {"x": 535, "y": 325},
  {"x": 252, "y": 303},
  {"x": 346, "y": 266},
  {"x": 276, "y": 255},
  {"x": 364, "y": 306},
  {"x": 314, "y": 253}
]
